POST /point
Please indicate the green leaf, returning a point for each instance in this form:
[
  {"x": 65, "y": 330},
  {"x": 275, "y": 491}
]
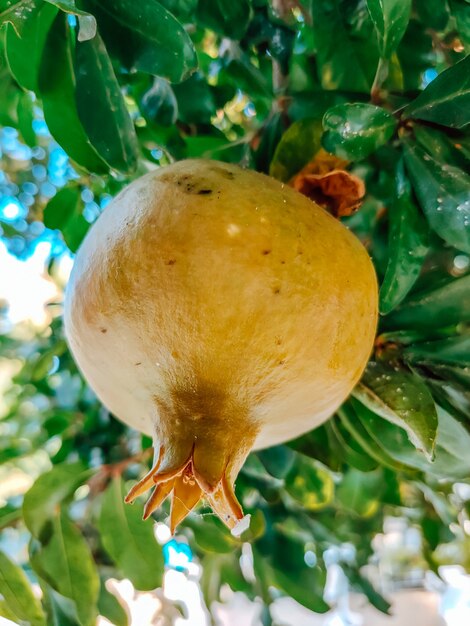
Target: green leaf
[
  {"x": 17, "y": 13},
  {"x": 242, "y": 74},
  {"x": 128, "y": 540},
  {"x": 451, "y": 461},
  {"x": 345, "y": 61},
  {"x": 211, "y": 536},
  {"x": 86, "y": 21},
  {"x": 182, "y": 9},
  {"x": 353, "y": 131},
  {"x": 347, "y": 448},
  {"x": 408, "y": 246},
  {"x": 48, "y": 491},
  {"x": 434, "y": 13},
  {"x": 443, "y": 192},
  {"x": 309, "y": 483},
  {"x": 18, "y": 595},
  {"x": 298, "y": 146},
  {"x": 24, "y": 52},
  {"x": 363, "y": 585},
  {"x": 390, "y": 19},
  {"x": 453, "y": 350},
  {"x": 157, "y": 43},
  {"x": 451, "y": 150},
  {"x": 64, "y": 212},
  {"x": 446, "y": 100},
  {"x": 195, "y": 100},
  {"x": 25, "y": 113},
  {"x": 101, "y": 107},
  {"x": 403, "y": 399},
  {"x": 5, "y": 612},
  {"x": 461, "y": 12},
  {"x": 57, "y": 89},
  {"x": 416, "y": 53},
  {"x": 61, "y": 610},
  {"x": 66, "y": 564},
  {"x": 110, "y": 607},
  {"x": 434, "y": 308},
  {"x": 287, "y": 570},
  {"x": 159, "y": 103},
  {"x": 360, "y": 492},
  {"x": 349, "y": 417},
  {"x": 9, "y": 514},
  {"x": 225, "y": 16},
  {"x": 271, "y": 136},
  {"x": 277, "y": 460}
]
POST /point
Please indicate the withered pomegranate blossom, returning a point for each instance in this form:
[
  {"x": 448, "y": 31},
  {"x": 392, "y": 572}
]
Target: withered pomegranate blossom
[{"x": 218, "y": 311}]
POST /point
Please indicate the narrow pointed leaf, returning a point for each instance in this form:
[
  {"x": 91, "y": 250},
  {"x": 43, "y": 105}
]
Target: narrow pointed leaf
[
  {"x": 64, "y": 212},
  {"x": 57, "y": 90},
  {"x": 49, "y": 490},
  {"x": 361, "y": 584},
  {"x": 24, "y": 52},
  {"x": 350, "y": 66},
  {"x": 25, "y": 113},
  {"x": 128, "y": 540},
  {"x": 17, "y": 594},
  {"x": 446, "y": 100},
  {"x": 101, "y": 107},
  {"x": 61, "y": 610},
  {"x": 451, "y": 461},
  {"x": 390, "y": 19},
  {"x": 446, "y": 305},
  {"x": 157, "y": 43},
  {"x": 403, "y": 399},
  {"x": 66, "y": 564},
  {"x": 454, "y": 351},
  {"x": 110, "y": 607},
  {"x": 443, "y": 192},
  {"x": 408, "y": 246},
  {"x": 444, "y": 148}
]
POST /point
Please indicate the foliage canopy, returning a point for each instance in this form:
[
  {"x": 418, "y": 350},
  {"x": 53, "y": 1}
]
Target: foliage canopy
[{"x": 125, "y": 86}]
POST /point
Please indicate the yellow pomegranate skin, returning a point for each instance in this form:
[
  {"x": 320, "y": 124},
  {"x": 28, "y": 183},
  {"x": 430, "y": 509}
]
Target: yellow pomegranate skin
[{"x": 218, "y": 310}]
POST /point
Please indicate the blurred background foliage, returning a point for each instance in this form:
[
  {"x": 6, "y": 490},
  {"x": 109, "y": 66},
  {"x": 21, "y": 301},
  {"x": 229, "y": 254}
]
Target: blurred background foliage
[{"x": 93, "y": 94}]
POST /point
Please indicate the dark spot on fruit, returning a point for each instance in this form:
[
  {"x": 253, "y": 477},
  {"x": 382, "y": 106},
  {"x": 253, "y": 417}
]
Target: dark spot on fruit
[
  {"x": 104, "y": 330},
  {"x": 283, "y": 262},
  {"x": 204, "y": 192},
  {"x": 265, "y": 252},
  {"x": 278, "y": 341},
  {"x": 171, "y": 262},
  {"x": 139, "y": 363},
  {"x": 276, "y": 290},
  {"x": 282, "y": 362}
]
